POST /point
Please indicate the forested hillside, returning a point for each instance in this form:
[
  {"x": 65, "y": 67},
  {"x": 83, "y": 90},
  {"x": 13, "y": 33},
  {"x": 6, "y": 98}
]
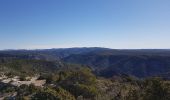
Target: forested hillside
[{"x": 85, "y": 74}]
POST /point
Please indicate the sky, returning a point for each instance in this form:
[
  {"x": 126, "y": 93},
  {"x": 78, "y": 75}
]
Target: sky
[{"x": 117, "y": 24}]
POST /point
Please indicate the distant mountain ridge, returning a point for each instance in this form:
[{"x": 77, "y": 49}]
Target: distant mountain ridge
[
  {"x": 51, "y": 54},
  {"x": 105, "y": 62},
  {"x": 139, "y": 63}
]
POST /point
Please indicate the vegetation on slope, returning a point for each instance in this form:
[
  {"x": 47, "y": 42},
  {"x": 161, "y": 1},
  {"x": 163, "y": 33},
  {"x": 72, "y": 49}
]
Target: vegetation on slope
[{"x": 107, "y": 77}]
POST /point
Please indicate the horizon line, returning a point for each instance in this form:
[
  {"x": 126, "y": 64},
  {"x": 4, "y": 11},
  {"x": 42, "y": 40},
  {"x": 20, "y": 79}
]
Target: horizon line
[{"x": 85, "y": 47}]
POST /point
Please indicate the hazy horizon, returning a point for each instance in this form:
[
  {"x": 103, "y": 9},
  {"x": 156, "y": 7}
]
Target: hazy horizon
[
  {"x": 42, "y": 24},
  {"x": 34, "y": 48}
]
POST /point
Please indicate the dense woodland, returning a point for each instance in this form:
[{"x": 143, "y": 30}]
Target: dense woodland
[{"x": 88, "y": 74}]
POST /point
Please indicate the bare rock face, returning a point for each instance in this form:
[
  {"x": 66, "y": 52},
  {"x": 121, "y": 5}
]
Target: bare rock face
[{"x": 15, "y": 81}]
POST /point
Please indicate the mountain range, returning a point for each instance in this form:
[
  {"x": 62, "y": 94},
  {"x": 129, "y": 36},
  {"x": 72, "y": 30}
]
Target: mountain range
[{"x": 105, "y": 62}]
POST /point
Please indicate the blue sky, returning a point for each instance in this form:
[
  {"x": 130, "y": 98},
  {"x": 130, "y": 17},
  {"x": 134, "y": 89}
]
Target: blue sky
[{"x": 33, "y": 24}]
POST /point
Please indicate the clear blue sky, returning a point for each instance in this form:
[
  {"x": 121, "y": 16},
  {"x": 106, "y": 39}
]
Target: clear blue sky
[{"x": 31, "y": 24}]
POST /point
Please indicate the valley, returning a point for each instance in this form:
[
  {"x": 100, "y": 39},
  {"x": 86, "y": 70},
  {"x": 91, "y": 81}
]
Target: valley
[{"x": 85, "y": 74}]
